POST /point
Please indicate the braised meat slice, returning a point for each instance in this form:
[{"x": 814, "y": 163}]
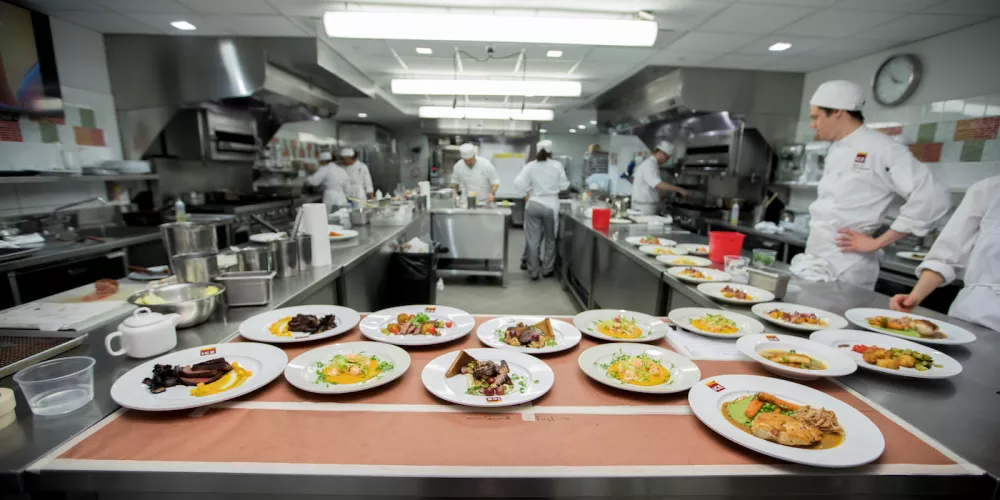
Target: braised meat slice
[{"x": 310, "y": 323}]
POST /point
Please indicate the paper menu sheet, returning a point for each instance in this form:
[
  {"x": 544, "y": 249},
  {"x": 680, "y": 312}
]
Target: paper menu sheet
[
  {"x": 696, "y": 346},
  {"x": 55, "y": 316}
]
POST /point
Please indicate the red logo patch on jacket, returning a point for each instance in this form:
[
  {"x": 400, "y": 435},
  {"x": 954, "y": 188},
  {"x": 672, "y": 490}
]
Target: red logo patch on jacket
[{"x": 860, "y": 158}]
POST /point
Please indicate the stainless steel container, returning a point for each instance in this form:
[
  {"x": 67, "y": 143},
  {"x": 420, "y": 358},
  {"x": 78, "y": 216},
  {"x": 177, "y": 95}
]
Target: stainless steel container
[
  {"x": 360, "y": 216},
  {"x": 285, "y": 254},
  {"x": 769, "y": 279},
  {"x": 253, "y": 258},
  {"x": 198, "y": 267},
  {"x": 195, "y": 302},
  {"x": 252, "y": 288},
  {"x": 189, "y": 237},
  {"x": 305, "y": 251}
]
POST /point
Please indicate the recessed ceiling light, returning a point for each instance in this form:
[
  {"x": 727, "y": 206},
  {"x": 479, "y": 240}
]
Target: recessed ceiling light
[
  {"x": 593, "y": 122},
  {"x": 779, "y": 47},
  {"x": 425, "y": 51},
  {"x": 183, "y": 25},
  {"x": 581, "y": 127},
  {"x": 362, "y": 115},
  {"x": 572, "y": 130},
  {"x": 554, "y": 53},
  {"x": 441, "y": 86},
  {"x": 542, "y": 130}
]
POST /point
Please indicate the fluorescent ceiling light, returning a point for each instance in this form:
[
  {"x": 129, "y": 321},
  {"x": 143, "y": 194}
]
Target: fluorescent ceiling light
[
  {"x": 425, "y": 51},
  {"x": 543, "y": 115},
  {"x": 554, "y": 53},
  {"x": 593, "y": 122},
  {"x": 572, "y": 130},
  {"x": 779, "y": 47},
  {"x": 362, "y": 115},
  {"x": 581, "y": 127},
  {"x": 490, "y": 28},
  {"x": 554, "y": 88},
  {"x": 542, "y": 130},
  {"x": 183, "y": 25}
]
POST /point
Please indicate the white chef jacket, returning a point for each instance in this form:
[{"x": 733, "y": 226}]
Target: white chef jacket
[
  {"x": 479, "y": 178},
  {"x": 971, "y": 242},
  {"x": 864, "y": 172},
  {"x": 361, "y": 180},
  {"x": 335, "y": 181},
  {"x": 543, "y": 180},
  {"x": 644, "y": 180}
]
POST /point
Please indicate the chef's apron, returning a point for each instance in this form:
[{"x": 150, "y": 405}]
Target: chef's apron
[
  {"x": 644, "y": 208},
  {"x": 550, "y": 201},
  {"x": 979, "y": 301}
]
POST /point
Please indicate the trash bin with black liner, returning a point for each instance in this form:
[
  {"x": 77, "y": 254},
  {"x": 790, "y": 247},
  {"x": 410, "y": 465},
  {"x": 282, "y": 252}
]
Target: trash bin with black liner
[{"x": 413, "y": 278}]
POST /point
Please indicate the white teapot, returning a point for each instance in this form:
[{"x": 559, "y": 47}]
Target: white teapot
[{"x": 145, "y": 334}]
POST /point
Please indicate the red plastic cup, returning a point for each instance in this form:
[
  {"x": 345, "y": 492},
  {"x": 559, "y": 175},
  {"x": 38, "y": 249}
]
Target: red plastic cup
[
  {"x": 723, "y": 243},
  {"x": 601, "y": 218}
]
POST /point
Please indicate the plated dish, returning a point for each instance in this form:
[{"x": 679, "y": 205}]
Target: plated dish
[
  {"x": 735, "y": 294},
  {"x": 619, "y": 325},
  {"x": 417, "y": 325},
  {"x": 893, "y": 356},
  {"x": 698, "y": 274},
  {"x": 342, "y": 234},
  {"x": 299, "y": 324},
  {"x": 151, "y": 274},
  {"x": 715, "y": 322},
  {"x": 649, "y": 240},
  {"x": 639, "y": 368},
  {"x": 914, "y": 256},
  {"x": 694, "y": 248},
  {"x": 656, "y": 250},
  {"x": 786, "y": 420},
  {"x": 798, "y": 317},
  {"x": 683, "y": 260},
  {"x": 909, "y": 326},
  {"x": 347, "y": 367},
  {"x": 795, "y": 357},
  {"x": 519, "y": 333},
  {"x": 199, "y": 376},
  {"x": 487, "y": 377}
]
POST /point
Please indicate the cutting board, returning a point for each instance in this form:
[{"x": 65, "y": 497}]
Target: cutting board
[{"x": 76, "y": 295}]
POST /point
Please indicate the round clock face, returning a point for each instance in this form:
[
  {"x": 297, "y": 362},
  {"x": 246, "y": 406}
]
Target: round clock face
[{"x": 896, "y": 80}]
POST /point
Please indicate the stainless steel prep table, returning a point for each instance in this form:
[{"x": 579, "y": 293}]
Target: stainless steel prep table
[
  {"x": 30, "y": 438},
  {"x": 475, "y": 240}
]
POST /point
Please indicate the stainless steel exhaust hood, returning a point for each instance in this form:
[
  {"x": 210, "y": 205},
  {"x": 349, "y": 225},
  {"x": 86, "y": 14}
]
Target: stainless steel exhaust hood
[{"x": 156, "y": 79}]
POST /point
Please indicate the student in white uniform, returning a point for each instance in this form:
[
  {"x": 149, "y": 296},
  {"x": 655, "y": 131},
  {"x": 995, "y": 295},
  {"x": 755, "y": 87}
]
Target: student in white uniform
[
  {"x": 333, "y": 178},
  {"x": 970, "y": 242},
  {"x": 865, "y": 171},
  {"x": 542, "y": 179},
  {"x": 474, "y": 174},
  {"x": 361, "y": 178},
  {"x": 647, "y": 184}
]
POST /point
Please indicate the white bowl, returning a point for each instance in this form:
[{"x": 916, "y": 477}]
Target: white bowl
[{"x": 837, "y": 363}]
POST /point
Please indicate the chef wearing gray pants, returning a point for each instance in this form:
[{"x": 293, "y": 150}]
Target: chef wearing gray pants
[
  {"x": 541, "y": 179},
  {"x": 539, "y": 226}
]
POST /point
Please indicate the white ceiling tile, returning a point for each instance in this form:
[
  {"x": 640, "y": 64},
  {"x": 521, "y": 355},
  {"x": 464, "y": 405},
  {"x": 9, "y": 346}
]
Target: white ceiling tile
[
  {"x": 674, "y": 57},
  {"x": 850, "y": 48},
  {"x": 984, "y": 7},
  {"x": 836, "y": 23},
  {"x": 800, "y": 44},
  {"x": 686, "y": 14},
  {"x": 602, "y": 69},
  {"x": 801, "y": 3},
  {"x": 618, "y": 54},
  {"x": 357, "y": 49},
  {"x": 261, "y": 26},
  {"x": 145, "y": 6},
  {"x": 308, "y": 24},
  {"x": 740, "y": 61},
  {"x": 754, "y": 18},
  {"x": 305, "y": 8},
  {"x": 55, "y": 6},
  {"x": 888, "y": 5},
  {"x": 109, "y": 22},
  {"x": 711, "y": 42},
  {"x": 918, "y": 26},
  {"x": 206, "y": 25},
  {"x": 802, "y": 63},
  {"x": 376, "y": 64},
  {"x": 230, "y": 6}
]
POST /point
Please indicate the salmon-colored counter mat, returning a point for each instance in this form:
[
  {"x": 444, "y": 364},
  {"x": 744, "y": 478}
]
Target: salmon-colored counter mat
[{"x": 578, "y": 423}]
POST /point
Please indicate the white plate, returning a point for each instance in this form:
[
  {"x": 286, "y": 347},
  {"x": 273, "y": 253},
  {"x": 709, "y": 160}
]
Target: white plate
[
  {"x": 848, "y": 338},
  {"x": 715, "y": 276},
  {"x": 265, "y": 362},
  {"x": 536, "y": 376},
  {"x": 334, "y": 227},
  {"x": 257, "y": 327},
  {"x": 914, "y": 256},
  {"x": 567, "y": 335},
  {"x": 683, "y": 260},
  {"x": 863, "y": 441},
  {"x": 683, "y": 372},
  {"x": 747, "y": 325},
  {"x": 267, "y": 237},
  {"x": 955, "y": 334},
  {"x": 619, "y": 220},
  {"x": 155, "y": 273},
  {"x": 345, "y": 234},
  {"x": 301, "y": 371},
  {"x": 637, "y": 240},
  {"x": 462, "y": 323},
  {"x": 837, "y": 363},
  {"x": 714, "y": 290},
  {"x": 653, "y": 249},
  {"x": 832, "y": 320},
  {"x": 652, "y": 328},
  {"x": 692, "y": 248}
]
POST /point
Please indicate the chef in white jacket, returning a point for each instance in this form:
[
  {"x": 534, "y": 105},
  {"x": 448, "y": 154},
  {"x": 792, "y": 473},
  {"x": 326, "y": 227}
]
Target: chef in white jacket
[
  {"x": 333, "y": 178},
  {"x": 361, "y": 179},
  {"x": 542, "y": 178},
  {"x": 474, "y": 174},
  {"x": 865, "y": 171},
  {"x": 647, "y": 184},
  {"x": 970, "y": 242}
]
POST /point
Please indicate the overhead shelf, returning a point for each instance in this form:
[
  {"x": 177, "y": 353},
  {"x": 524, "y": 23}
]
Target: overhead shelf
[{"x": 38, "y": 179}]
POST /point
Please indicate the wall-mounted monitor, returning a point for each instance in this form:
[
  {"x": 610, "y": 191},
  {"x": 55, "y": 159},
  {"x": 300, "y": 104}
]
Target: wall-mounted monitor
[{"x": 29, "y": 82}]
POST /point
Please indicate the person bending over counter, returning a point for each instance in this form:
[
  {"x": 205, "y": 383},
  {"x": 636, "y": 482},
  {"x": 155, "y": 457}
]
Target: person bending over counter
[
  {"x": 474, "y": 174},
  {"x": 333, "y": 179},
  {"x": 542, "y": 178},
  {"x": 647, "y": 184},
  {"x": 970, "y": 241}
]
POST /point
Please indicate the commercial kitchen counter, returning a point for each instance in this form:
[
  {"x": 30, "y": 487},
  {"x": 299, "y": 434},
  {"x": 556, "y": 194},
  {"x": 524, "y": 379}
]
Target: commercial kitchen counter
[
  {"x": 473, "y": 241},
  {"x": 347, "y": 281},
  {"x": 58, "y": 251},
  {"x": 945, "y": 410}
]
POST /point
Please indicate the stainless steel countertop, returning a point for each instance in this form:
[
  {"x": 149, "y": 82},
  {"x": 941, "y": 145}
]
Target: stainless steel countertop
[
  {"x": 471, "y": 211},
  {"x": 31, "y": 437},
  {"x": 55, "y": 251},
  {"x": 929, "y": 405}
]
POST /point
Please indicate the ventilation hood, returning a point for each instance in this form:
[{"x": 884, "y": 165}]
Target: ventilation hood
[{"x": 156, "y": 79}]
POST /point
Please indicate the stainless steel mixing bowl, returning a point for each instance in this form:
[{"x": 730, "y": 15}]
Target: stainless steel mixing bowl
[{"x": 191, "y": 300}]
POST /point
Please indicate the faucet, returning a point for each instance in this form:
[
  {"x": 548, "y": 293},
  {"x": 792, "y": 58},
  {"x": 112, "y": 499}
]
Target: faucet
[{"x": 64, "y": 231}]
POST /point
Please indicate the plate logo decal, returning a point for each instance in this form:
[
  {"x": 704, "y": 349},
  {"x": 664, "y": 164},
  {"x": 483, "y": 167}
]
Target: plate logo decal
[
  {"x": 715, "y": 386},
  {"x": 207, "y": 351}
]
